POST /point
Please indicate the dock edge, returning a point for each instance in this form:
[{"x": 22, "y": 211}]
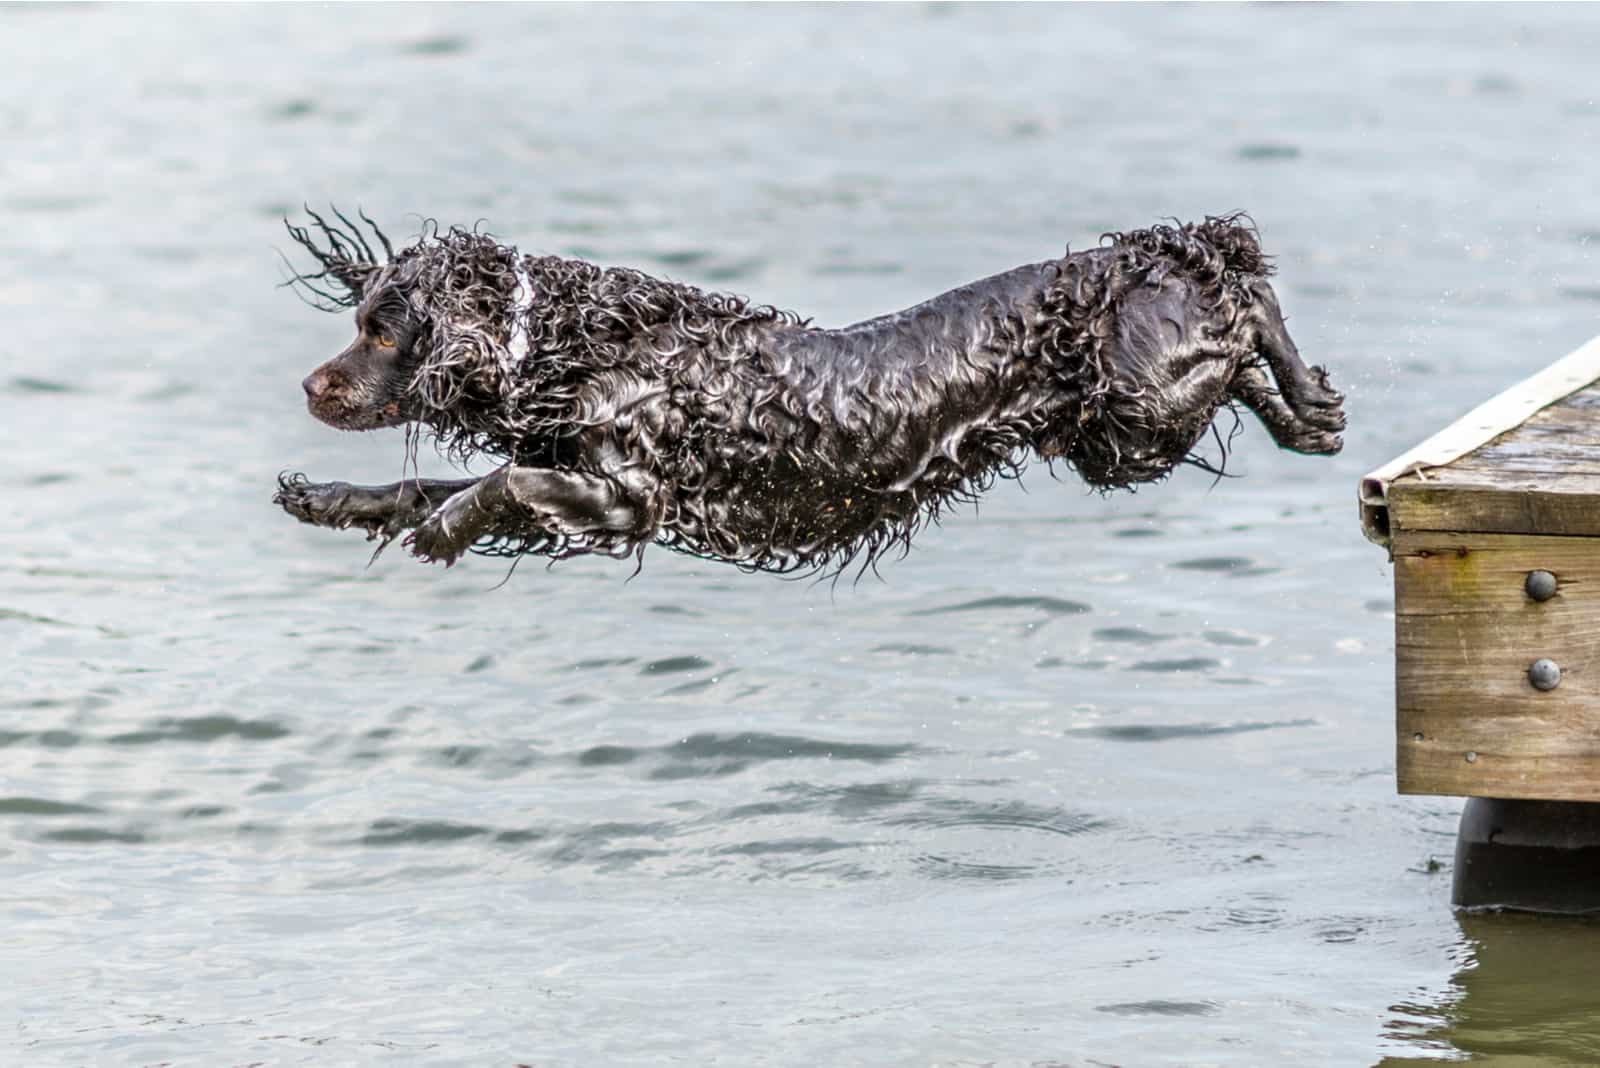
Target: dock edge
[{"x": 1487, "y": 421}]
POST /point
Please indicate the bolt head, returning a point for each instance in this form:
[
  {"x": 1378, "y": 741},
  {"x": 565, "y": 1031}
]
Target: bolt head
[
  {"x": 1541, "y": 585},
  {"x": 1544, "y": 674}
]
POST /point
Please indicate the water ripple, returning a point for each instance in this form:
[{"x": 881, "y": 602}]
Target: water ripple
[
  {"x": 1055, "y": 606},
  {"x": 673, "y": 664},
  {"x": 1161, "y": 1007},
  {"x": 93, "y": 836},
  {"x": 1165, "y": 732},
  {"x": 712, "y": 755},
  {"x": 1176, "y": 666},
  {"x": 1134, "y": 635},
  {"x": 201, "y": 729},
  {"x": 1223, "y": 564},
  {"x": 437, "y": 45},
  {"x": 995, "y": 842},
  {"x": 38, "y": 806},
  {"x": 389, "y": 832}
]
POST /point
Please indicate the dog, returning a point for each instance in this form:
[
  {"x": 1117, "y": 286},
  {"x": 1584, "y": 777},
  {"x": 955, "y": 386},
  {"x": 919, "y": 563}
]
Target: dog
[{"x": 628, "y": 410}]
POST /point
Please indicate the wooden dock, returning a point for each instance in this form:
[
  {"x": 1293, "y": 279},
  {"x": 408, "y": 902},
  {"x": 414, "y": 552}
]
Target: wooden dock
[{"x": 1493, "y": 525}]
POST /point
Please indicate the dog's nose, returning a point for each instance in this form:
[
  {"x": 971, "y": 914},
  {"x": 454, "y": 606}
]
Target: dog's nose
[{"x": 314, "y": 384}]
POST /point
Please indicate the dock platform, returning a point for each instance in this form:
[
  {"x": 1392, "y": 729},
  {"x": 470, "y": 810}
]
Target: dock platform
[{"x": 1493, "y": 525}]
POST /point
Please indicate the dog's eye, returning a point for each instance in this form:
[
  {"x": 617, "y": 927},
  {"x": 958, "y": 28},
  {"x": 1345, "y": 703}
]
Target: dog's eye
[{"x": 386, "y": 341}]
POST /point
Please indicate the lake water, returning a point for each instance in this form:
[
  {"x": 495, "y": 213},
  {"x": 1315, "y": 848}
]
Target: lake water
[{"x": 1083, "y": 781}]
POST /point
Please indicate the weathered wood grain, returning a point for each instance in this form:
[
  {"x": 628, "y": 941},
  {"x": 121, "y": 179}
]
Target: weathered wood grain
[
  {"x": 1468, "y": 722},
  {"x": 1468, "y": 499}
]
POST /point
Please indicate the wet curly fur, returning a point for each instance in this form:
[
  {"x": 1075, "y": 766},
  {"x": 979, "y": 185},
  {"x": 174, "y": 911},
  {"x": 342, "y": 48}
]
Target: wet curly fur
[{"x": 631, "y": 410}]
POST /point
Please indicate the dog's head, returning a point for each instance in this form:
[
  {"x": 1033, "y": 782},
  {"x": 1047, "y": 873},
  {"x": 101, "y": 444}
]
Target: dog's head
[
  {"x": 366, "y": 386},
  {"x": 435, "y": 329}
]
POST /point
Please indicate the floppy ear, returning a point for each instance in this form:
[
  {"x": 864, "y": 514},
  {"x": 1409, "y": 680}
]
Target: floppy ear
[{"x": 347, "y": 261}]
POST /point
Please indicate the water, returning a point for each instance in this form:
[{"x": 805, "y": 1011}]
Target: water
[{"x": 1084, "y": 781}]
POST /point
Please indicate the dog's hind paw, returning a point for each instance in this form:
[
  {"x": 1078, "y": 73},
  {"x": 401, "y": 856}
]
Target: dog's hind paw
[
  {"x": 446, "y": 535},
  {"x": 435, "y": 543},
  {"x": 1315, "y": 442},
  {"x": 1322, "y": 406}
]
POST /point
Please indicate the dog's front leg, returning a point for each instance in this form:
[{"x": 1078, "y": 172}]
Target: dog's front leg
[
  {"x": 382, "y": 511},
  {"x": 535, "y": 503}
]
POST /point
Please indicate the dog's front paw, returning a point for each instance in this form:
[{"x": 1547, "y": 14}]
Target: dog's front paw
[
  {"x": 336, "y": 505},
  {"x": 323, "y": 504}
]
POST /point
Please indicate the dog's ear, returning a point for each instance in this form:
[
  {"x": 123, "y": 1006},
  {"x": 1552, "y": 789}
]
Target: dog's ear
[{"x": 347, "y": 260}]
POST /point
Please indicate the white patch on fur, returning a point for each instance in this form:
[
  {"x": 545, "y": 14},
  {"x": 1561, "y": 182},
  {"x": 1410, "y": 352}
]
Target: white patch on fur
[{"x": 518, "y": 343}]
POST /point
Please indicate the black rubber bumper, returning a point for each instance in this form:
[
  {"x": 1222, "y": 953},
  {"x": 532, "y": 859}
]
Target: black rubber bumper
[{"x": 1535, "y": 856}]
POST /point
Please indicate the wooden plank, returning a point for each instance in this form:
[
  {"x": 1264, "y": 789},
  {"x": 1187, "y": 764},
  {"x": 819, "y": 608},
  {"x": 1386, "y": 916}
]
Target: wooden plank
[
  {"x": 1568, "y": 456},
  {"x": 1494, "y": 417},
  {"x": 1505, "y": 502},
  {"x": 1588, "y": 398},
  {"x": 1474, "y": 472},
  {"x": 1485, "y": 573},
  {"x": 1468, "y": 722},
  {"x": 1562, "y": 439},
  {"x": 1574, "y": 413}
]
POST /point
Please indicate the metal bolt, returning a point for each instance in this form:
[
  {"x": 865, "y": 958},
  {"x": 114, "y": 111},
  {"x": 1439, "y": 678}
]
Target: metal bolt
[
  {"x": 1541, "y": 585},
  {"x": 1417, "y": 737},
  {"x": 1472, "y": 757},
  {"x": 1544, "y": 674}
]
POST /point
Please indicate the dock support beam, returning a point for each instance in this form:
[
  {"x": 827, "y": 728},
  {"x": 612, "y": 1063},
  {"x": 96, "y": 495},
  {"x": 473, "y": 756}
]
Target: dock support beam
[{"x": 1534, "y": 856}]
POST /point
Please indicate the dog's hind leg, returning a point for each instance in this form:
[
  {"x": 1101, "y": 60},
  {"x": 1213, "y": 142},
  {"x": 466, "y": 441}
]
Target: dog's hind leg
[
  {"x": 573, "y": 510},
  {"x": 382, "y": 511},
  {"x": 1255, "y": 391},
  {"x": 1306, "y": 390}
]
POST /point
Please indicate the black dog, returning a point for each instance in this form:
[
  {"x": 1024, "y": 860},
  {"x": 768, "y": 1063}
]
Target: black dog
[{"x": 631, "y": 410}]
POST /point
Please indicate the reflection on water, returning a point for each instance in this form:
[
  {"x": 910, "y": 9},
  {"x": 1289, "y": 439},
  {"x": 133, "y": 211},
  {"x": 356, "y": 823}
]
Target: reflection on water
[{"x": 1524, "y": 994}]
